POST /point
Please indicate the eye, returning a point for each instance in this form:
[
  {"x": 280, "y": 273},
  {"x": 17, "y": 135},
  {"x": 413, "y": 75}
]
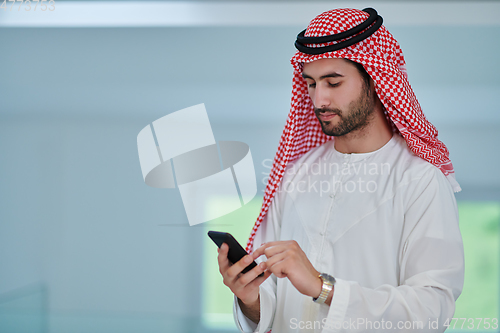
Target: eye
[
  {"x": 333, "y": 85},
  {"x": 310, "y": 83}
]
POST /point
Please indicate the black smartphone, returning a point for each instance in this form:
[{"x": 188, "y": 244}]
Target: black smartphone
[{"x": 236, "y": 251}]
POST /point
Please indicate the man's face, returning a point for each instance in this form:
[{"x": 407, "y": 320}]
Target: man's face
[{"x": 343, "y": 101}]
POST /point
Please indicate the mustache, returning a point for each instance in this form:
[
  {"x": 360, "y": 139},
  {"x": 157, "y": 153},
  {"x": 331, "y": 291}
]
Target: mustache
[{"x": 326, "y": 110}]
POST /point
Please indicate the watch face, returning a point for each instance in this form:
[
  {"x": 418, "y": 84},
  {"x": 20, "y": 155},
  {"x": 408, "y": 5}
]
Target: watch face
[{"x": 328, "y": 278}]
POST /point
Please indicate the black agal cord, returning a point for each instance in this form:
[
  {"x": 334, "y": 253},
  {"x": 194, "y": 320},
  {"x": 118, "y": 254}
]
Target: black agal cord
[{"x": 373, "y": 18}]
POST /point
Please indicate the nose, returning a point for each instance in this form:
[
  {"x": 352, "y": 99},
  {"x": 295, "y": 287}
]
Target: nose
[{"x": 321, "y": 98}]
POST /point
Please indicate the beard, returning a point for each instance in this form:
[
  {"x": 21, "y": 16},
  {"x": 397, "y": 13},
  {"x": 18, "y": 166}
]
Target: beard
[{"x": 356, "y": 117}]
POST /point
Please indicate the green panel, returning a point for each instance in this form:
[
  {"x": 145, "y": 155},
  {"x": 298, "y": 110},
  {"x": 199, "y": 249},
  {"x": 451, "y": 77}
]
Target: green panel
[
  {"x": 217, "y": 298},
  {"x": 480, "y": 227}
]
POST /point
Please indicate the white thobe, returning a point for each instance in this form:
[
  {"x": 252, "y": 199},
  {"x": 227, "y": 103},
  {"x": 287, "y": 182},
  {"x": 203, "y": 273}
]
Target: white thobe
[{"x": 384, "y": 224}]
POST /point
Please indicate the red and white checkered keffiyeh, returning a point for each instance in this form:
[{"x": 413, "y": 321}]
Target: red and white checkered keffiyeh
[{"x": 381, "y": 56}]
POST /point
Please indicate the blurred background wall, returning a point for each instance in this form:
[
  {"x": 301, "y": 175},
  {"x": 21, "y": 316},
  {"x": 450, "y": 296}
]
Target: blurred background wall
[{"x": 85, "y": 245}]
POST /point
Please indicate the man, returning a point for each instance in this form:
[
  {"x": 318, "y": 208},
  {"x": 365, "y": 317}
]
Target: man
[{"x": 360, "y": 232}]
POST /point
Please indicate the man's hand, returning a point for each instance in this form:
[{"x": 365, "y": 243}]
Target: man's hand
[
  {"x": 244, "y": 286},
  {"x": 286, "y": 259}
]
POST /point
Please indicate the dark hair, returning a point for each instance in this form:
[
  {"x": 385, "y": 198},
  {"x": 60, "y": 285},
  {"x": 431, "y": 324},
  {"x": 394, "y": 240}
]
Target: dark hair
[{"x": 361, "y": 70}]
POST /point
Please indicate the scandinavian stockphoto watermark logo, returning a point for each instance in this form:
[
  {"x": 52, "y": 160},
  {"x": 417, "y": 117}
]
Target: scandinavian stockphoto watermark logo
[
  {"x": 179, "y": 150},
  {"x": 325, "y": 177}
]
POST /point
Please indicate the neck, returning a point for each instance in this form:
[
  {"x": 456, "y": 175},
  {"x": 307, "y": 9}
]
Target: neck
[{"x": 367, "y": 139}]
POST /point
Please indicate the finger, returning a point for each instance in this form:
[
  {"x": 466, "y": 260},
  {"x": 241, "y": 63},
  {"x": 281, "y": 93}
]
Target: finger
[
  {"x": 258, "y": 281},
  {"x": 224, "y": 263},
  {"x": 275, "y": 259},
  {"x": 260, "y": 251},
  {"x": 275, "y": 250},
  {"x": 252, "y": 274},
  {"x": 253, "y": 286},
  {"x": 270, "y": 249},
  {"x": 239, "y": 266},
  {"x": 280, "y": 269},
  {"x": 274, "y": 264}
]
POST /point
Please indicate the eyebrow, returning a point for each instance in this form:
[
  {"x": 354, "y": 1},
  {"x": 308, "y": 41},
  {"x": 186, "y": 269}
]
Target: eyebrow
[{"x": 333, "y": 74}]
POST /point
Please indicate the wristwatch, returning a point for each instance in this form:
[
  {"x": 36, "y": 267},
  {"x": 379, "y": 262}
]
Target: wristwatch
[{"x": 328, "y": 283}]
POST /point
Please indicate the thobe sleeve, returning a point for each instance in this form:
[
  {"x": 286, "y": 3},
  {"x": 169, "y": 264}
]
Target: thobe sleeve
[
  {"x": 431, "y": 269},
  {"x": 268, "y": 231}
]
